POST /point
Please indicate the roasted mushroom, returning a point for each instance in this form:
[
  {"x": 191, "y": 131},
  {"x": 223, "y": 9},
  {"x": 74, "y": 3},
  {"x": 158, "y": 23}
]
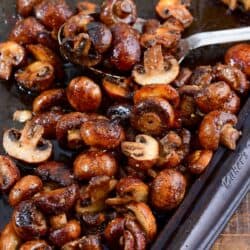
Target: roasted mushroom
[
  {"x": 52, "y": 13},
  {"x": 25, "y": 189},
  {"x": 83, "y": 94},
  {"x": 153, "y": 115},
  {"x": 118, "y": 11},
  {"x": 126, "y": 50},
  {"x": 25, "y": 7},
  {"x": 22, "y": 116},
  {"x": 120, "y": 112},
  {"x": 168, "y": 190},
  {"x": 218, "y": 127},
  {"x": 29, "y": 223},
  {"x": 94, "y": 163},
  {"x": 36, "y": 77},
  {"x": 11, "y": 55},
  {"x": 35, "y": 245},
  {"x": 102, "y": 133},
  {"x": 87, "y": 7},
  {"x": 27, "y": 145},
  {"x": 9, "y": 173},
  {"x": 167, "y": 8},
  {"x": 58, "y": 221},
  {"x": 143, "y": 153},
  {"x": 156, "y": 68},
  {"x": 8, "y": 238},
  {"x": 238, "y": 56}
]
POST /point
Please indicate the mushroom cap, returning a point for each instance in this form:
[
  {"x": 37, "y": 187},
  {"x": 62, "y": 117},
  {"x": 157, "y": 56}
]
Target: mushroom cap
[
  {"x": 27, "y": 145},
  {"x": 156, "y": 69}
]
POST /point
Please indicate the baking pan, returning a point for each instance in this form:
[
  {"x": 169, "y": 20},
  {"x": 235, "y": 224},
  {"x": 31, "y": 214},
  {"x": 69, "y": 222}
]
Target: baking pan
[{"x": 216, "y": 194}]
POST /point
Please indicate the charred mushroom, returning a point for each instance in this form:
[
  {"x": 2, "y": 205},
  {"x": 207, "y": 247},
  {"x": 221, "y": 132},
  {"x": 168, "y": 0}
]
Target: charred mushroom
[
  {"x": 11, "y": 55},
  {"x": 27, "y": 145},
  {"x": 37, "y": 76},
  {"x": 156, "y": 68},
  {"x": 143, "y": 153}
]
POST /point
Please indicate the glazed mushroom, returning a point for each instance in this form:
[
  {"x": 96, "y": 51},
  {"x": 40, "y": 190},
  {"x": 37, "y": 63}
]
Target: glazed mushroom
[
  {"x": 118, "y": 11},
  {"x": 174, "y": 148},
  {"x": 218, "y": 127},
  {"x": 36, "y": 77},
  {"x": 88, "y": 8},
  {"x": 29, "y": 227},
  {"x": 83, "y": 94},
  {"x": 129, "y": 189},
  {"x": 167, "y": 8},
  {"x": 35, "y": 244},
  {"x": 167, "y": 190},
  {"x": 238, "y": 56},
  {"x": 11, "y": 55},
  {"x": 143, "y": 153},
  {"x": 25, "y": 7},
  {"x": 8, "y": 238},
  {"x": 202, "y": 76},
  {"x": 153, "y": 115},
  {"x": 58, "y": 221},
  {"x": 156, "y": 68},
  {"x": 125, "y": 233},
  {"x": 94, "y": 163},
  {"x": 27, "y": 145},
  {"x": 198, "y": 160},
  {"x": 24, "y": 189},
  {"x": 9, "y": 173}
]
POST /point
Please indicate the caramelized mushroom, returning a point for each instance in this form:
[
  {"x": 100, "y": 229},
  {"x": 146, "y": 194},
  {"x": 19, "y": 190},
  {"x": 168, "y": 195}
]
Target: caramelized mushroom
[
  {"x": 198, "y": 160},
  {"x": 52, "y": 13},
  {"x": 156, "y": 68},
  {"x": 71, "y": 231},
  {"x": 44, "y": 54},
  {"x": 143, "y": 153},
  {"x": 35, "y": 245},
  {"x": 56, "y": 172},
  {"x": 8, "y": 238},
  {"x": 120, "y": 112},
  {"x": 94, "y": 163},
  {"x": 129, "y": 189},
  {"x": 202, "y": 76},
  {"x": 22, "y": 116},
  {"x": 238, "y": 56},
  {"x": 126, "y": 51},
  {"x": 9, "y": 173},
  {"x": 83, "y": 94},
  {"x": 118, "y": 11},
  {"x": 27, "y": 145},
  {"x": 153, "y": 115},
  {"x": 87, "y": 7},
  {"x": 48, "y": 99},
  {"x": 37, "y": 76},
  {"x": 57, "y": 201},
  {"x": 25, "y": 7},
  {"x": 11, "y": 55},
  {"x": 174, "y": 148},
  {"x": 125, "y": 233},
  {"x": 102, "y": 133},
  {"x": 70, "y": 123},
  {"x": 30, "y": 31},
  {"x": 28, "y": 221},
  {"x": 158, "y": 90},
  {"x": 58, "y": 221},
  {"x": 89, "y": 242},
  {"x": 216, "y": 128},
  {"x": 167, "y": 8},
  {"x": 25, "y": 189},
  {"x": 168, "y": 190}
]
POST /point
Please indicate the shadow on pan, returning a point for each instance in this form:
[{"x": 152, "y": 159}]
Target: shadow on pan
[{"x": 177, "y": 228}]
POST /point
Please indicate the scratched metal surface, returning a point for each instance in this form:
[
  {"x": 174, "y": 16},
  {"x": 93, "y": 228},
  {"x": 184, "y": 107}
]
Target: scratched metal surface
[{"x": 209, "y": 15}]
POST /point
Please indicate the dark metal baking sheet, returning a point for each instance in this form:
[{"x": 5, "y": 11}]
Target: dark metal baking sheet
[{"x": 211, "y": 200}]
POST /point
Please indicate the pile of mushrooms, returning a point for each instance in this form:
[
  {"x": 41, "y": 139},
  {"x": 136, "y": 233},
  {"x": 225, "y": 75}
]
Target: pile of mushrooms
[{"x": 138, "y": 140}]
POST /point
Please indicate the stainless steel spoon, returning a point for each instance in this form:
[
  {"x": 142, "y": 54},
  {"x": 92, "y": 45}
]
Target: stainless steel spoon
[{"x": 211, "y": 38}]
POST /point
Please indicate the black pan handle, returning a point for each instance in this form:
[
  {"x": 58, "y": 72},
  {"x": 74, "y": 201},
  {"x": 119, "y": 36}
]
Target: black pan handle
[{"x": 219, "y": 200}]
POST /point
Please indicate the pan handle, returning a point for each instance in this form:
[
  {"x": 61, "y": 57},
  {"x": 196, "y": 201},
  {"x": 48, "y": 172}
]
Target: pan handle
[{"x": 218, "y": 37}]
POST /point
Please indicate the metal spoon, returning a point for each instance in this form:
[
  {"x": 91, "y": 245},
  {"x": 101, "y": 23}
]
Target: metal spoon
[{"x": 211, "y": 38}]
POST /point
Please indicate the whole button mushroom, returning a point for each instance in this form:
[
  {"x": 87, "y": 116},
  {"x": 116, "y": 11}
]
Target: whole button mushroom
[
  {"x": 239, "y": 56},
  {"x": 84, "y": 95},
  {"x": 29, "y": 223},
  {"x": 27, "y": 145},
  {"x": 156, "y": 69},
  {"x": 9, "y": 173},
  {"x": 168, "y": 190},
  {"x": 11, "y": 55},
  {"x": 35, "y": 244},
  {"x": 25, "y": 7}
]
